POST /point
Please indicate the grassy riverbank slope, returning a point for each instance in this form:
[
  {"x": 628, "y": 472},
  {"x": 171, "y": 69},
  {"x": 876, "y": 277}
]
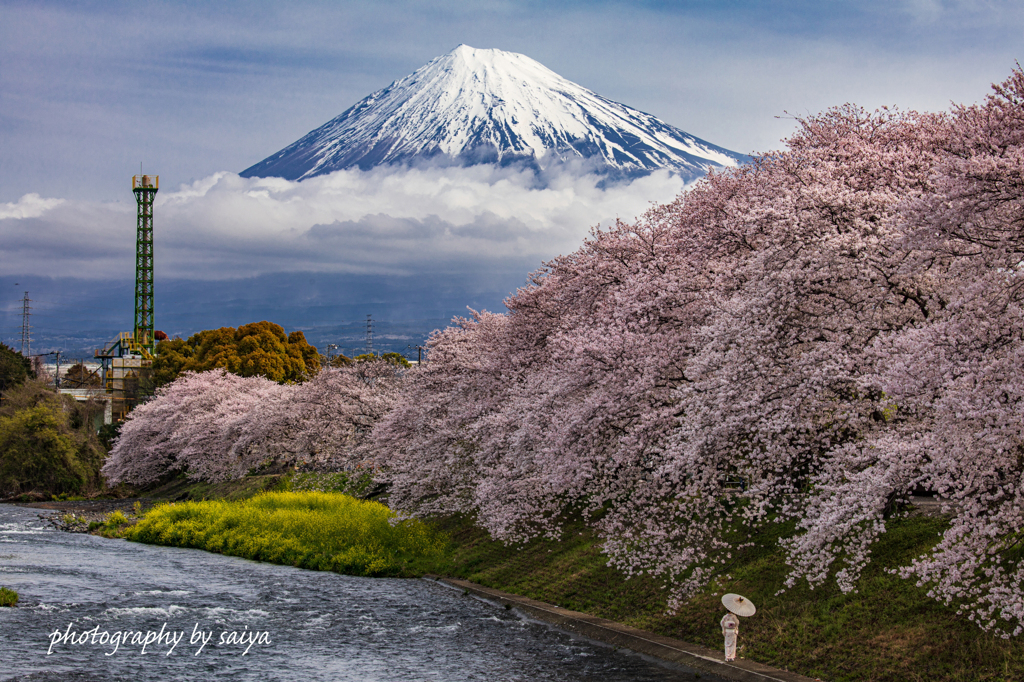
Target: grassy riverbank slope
[{"x": 889, "y": 630}]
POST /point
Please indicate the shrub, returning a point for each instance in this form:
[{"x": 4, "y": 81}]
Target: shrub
[
  {"x": 117, "y": 518},
  {"x": 316, "y": 530},
  {"x": 46, "y": 444},
  {"x": 8, "y": 597}
]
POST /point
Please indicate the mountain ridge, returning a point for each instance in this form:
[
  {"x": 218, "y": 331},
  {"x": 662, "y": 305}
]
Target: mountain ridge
[{"x": 473, "y": 106}]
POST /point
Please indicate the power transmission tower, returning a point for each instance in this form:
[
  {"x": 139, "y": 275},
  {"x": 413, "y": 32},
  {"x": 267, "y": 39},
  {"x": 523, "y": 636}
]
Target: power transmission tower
[
  {"x": 369, "y": 334},
  {"x": 26, "y": 328}
]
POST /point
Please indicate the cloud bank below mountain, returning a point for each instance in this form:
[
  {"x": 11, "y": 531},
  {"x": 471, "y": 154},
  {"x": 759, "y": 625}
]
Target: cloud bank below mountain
[{"x": 384, "y": 221}]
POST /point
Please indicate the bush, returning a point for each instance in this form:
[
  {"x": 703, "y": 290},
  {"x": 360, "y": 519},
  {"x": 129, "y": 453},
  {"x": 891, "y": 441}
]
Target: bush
[
  {"x": 46, "y": 444},
  {"x": 114, "y": 525},
  {"x": 8, "y": 597},
  {"x": 117, "y": 518},
  {"x": 316, "y": 530}
]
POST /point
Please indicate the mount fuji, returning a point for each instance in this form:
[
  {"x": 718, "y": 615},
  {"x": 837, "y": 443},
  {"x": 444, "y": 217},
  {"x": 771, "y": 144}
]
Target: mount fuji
[{"x": 474, "y": 106}]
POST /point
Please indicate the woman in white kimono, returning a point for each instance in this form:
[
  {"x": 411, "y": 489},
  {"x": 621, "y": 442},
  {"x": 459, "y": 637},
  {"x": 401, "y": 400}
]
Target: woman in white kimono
[
  {"x": 738, "y": 606},
  {"x": 730, "y": 628}
]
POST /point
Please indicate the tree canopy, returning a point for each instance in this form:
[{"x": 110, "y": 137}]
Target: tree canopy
[
  {"x": 257, "y": 349},
  {"x": 14, "y": 368},
  {"x": 79, "y": 376},
  {"x": 396, "y": 359},
  {"x": 47, "y": 443}
]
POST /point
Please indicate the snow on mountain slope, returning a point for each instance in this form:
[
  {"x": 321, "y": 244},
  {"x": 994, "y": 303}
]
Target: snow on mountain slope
[{"x": 488, "y": 106}]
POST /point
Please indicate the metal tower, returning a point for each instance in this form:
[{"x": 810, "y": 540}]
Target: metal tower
[
  {"x": 26, "y": 327},
  {"x": 145, "y": 188}
]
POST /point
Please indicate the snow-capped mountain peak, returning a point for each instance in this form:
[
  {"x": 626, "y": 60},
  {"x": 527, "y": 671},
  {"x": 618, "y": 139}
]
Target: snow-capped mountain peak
[{"x": 491, "y": 106}]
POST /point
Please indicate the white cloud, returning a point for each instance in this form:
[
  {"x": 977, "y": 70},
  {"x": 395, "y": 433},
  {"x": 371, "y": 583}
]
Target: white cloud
[
  {"x": 28, "y": 206},
  {"x": 382, "y": 221}
]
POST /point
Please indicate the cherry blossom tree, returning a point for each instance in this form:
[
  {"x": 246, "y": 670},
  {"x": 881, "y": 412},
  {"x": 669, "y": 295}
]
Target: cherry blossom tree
[
  {"x": 217, "y": 426},
  {"x": 810, "y": 337},
  {"x": 957, "y": 380},
  {"x": 190, "y": 426},
  {"x": 324, "y": 421},
  {"x": 581, "y": 397}
]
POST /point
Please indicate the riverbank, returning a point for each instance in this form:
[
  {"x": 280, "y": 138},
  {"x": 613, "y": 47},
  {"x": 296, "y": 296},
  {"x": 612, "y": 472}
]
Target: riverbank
[
  {"x": 673, "y": 651},
  {"x": 889, "y": 630},
  {"x": 84, "y": 515}
]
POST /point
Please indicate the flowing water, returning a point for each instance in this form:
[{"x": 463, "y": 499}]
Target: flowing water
[{"x": 89, "y": 605}]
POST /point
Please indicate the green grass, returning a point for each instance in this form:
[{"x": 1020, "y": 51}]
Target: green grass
[
  {"x": 353, "y": 483},
  {"x": 890, "y": 630},
  {"x": 316, "y": 530},
  {"x": 65, "y": 497},
  {"x": 179, "y": 487},
  {"x": 8, "y": 597}
]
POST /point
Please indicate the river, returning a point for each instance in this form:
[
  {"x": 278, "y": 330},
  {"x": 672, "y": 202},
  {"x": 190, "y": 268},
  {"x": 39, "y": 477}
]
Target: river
[{"x": 89, "y": 605}]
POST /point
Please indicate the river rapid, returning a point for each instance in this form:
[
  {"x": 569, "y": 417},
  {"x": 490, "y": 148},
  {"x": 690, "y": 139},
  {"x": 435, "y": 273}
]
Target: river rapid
[{"x": 97, "y": 609}]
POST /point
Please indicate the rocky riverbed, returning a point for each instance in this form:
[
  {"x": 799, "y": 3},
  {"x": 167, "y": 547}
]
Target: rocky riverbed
[{"x": 74, "y": 516}]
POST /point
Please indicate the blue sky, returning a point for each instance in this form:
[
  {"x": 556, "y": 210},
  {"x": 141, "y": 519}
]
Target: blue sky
[{"x": 88, "y": 90}]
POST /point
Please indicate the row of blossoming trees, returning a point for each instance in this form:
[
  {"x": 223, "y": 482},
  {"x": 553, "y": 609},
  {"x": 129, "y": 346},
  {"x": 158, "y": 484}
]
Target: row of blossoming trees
[
  {"x": 218, "y": 426},
  {"x": 812, "y": 337}
]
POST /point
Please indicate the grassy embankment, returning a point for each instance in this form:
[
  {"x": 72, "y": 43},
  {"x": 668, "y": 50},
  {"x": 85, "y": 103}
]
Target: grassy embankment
[
  {"x": 179, "y": 488},
  {"x": 888, "y": 630}
]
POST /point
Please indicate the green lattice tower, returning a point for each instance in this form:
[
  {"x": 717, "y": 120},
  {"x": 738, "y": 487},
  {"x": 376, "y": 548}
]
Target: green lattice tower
[{"x": 145, "y": 188}]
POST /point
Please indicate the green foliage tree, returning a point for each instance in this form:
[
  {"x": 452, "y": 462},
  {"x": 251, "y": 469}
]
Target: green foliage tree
[
  {"x": 79, "y": 376},
  {"x": 14, "y": 368},
  {"x": 341, "y": 361},
  {"x": 256, "y": 349},
  {"x": 47, "y": 443},
  {"x": 395, "y": 359},
  {"x": 108, "y": 433}
]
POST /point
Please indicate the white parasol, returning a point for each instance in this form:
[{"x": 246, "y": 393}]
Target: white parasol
[{"x": 741, "y": 606}]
